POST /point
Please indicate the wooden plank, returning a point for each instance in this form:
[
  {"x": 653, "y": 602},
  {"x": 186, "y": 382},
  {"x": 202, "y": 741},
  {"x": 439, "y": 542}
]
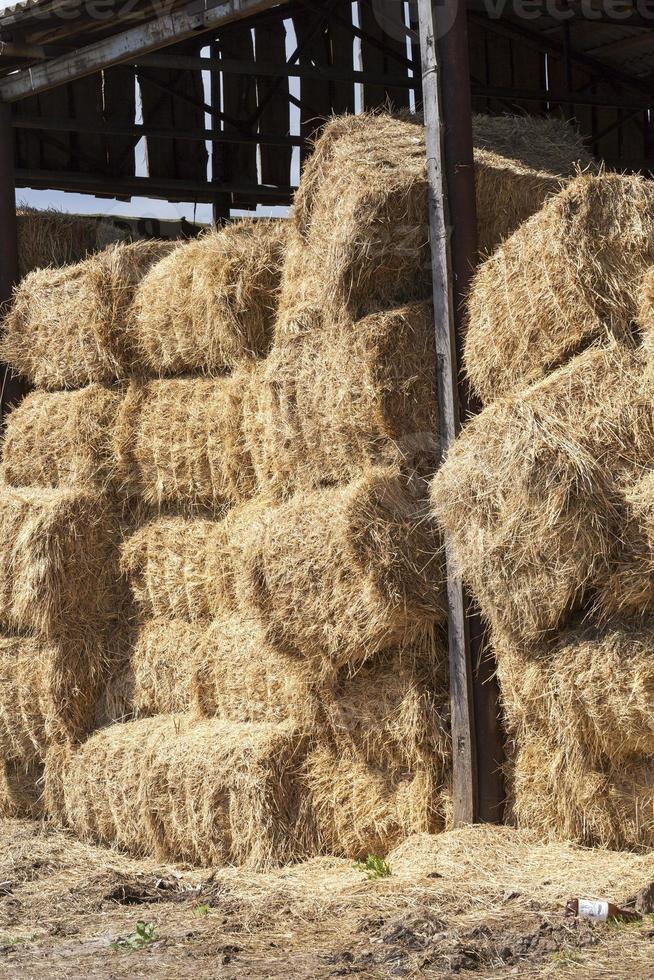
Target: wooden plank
[
  {"x": 340, "y": 41},
  {"x": 179, "y": 158},
  {"x": 86, "y": 104},
  {"x": 270, "y": 43},
  {"x": 141, "y": 40},
  {"x": 55, "y": 153},
  {"x": 477, "y": 39},
  {"x": 391, "y": 35},
  {"x": 120, "y": 109},
  {"x": 240, "y": 104},
  {"x": 463, "y": 736},
  {"x": 12, "y": 389},
  {"x": 168, "y": 190},
  {"x": 27, "y": 145},
  {"x": 311, "y": 31}
]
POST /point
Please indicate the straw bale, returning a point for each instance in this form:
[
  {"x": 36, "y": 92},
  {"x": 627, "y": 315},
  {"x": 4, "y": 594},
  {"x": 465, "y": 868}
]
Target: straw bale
[
  {"x": 360, "y": 810},
  {"x": 57, "y": 439},
  {"x": 207, "y": 792},
  {"x": 183, "y": 568},
  {"x": 361, "y": 213},
  {"x": 210, "y": 304},
  {"x": 393, "y": 711},
  {"x": 358, "y": 239},
  {"x": 519, "y": 162},
  {"x": 529, "y": 493},
  {"x": 594, "y": 687},
  {"x": 562, "y": 791},
  {"x": 340, "y": 396},
  {"x": 52, "y": 238},
  {"x": 646, "y": 312},
  {"x": 57, "y": 554},
  {"x": 338, "y": 574},
  {"x": 568, "y": 276},
  {"x": 629, "y": 586},
  {"x": 180, "y": 442},
  {"x": 48, "y": 692},
  {"x": 21, "y": 789},
  {"x": 66, "y": 327}
]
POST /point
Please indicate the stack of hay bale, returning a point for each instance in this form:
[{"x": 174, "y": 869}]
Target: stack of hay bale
[
  {"x": 547, "y": 498},
  {"x": 277, "y": 683}
]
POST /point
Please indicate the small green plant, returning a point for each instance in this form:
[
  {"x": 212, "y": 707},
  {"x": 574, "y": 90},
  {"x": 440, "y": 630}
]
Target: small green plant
[
  {"x": 6, "y": 942},
  {"x": 374, "y": 867},
  {"x": 566, "y": 957},
  {"x": 202, "y": 909},
  {"x": 144, "y": 934}
]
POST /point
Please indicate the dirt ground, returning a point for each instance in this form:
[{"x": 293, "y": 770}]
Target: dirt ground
[{"x": 482, "y": 902}]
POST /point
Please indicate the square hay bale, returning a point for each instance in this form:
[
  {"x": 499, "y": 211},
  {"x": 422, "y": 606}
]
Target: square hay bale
[
  {"x": 360, "y": 810},
  {"x": 393, "y": 712},
  {"x": 361, "y": 214},
  {"x": 529, "y": 492},
  {"x": 564, "y": 792},
  {"x": 53, "y": 238},
  {"x": 593, "y": 687},
  {"x": 645, "y": 318},
  {"x": 180, "y": 442},
  {"x": 341, "y": 396},
  {"x": 62, "y": 439},
  {"x": 336, "y": 575},
  {"x": 568, "y": 276},
  {"x": 58, "y": 554},
  {"x": 206, "y": 792},
  {"x": 66, "y": 328},
  {"x": 519, "y": 162},
  {"x": 48, "y": 692},
  {"x": 210, "y": 304},
  {"x": 21, "y": 788},
  {"x": 629, "y": 585},
  {"x": 183, "y": 568},
  {"x": 359, "y": 239}
]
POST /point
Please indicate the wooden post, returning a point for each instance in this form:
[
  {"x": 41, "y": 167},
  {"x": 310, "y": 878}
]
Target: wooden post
[
  {"x": 12, "y": 389},
  {"x": 221, "y": 203},
  {"x": 455, "y": 88},
  {"x": 463, "y": 722}
]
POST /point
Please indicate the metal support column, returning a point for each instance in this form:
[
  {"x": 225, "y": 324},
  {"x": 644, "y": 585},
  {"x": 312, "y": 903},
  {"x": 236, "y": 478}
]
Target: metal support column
[
  {"x": 476, "y": 741},
  {"x": 12, "y": 389}
]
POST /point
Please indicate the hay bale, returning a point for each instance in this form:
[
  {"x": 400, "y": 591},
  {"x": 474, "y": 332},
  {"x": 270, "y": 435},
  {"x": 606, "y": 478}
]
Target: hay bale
[
  {"x": 629, "y": 585},
  {"x": 563, "y": 792},
  {"x": 393, "y": 711},
  {"x": 207, "y": 792},
  {"x": 162, "y": 664},
  {"x": 61, "y": 439},
  {"x": 360, "y": 810},
  {"x": 52, "y": 238},
  {"x": 180, "y": 442},
  {"x": 645, "y": 318},
  {"x": 529, "y": 493},
  {"x": 182, "y": 568},
  {"x": 210, "y": 304},
  {"x": 361, "y": 216},
  {"x": 341, "y": 396},
  {"x": 568, "y": 276},
  {"x": 21, "y": 789},
  {"x": 359, "y": 236},
  {"x": 338, "y": 574},
  {"x": 593, "y": 687},
  {"x": 48, "y": 692},
  {"x": 519, "y": 162},
  {"x": 57, "y": 554},
  {"x": 66, "y": 328}
]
